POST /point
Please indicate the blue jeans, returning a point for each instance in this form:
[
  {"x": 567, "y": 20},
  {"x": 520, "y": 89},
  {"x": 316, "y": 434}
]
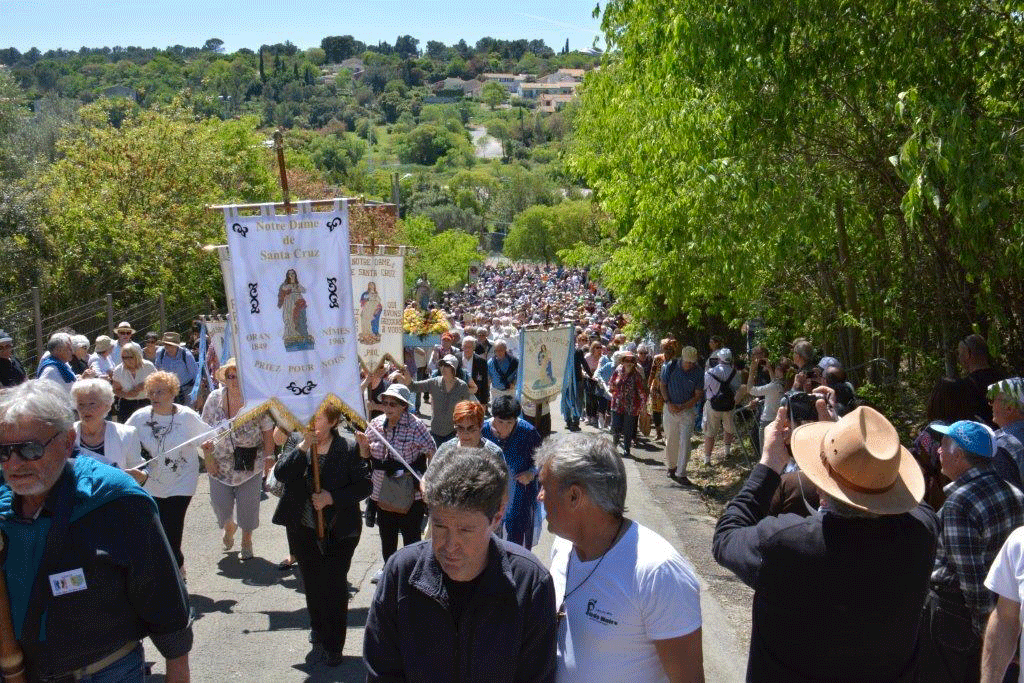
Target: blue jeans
[{"x": 128, "y": 669}]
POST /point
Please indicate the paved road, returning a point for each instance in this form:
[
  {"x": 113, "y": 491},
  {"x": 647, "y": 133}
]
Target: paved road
[
  {"x": 486, "y": 147},
  {"x": 251, "y": 623}
]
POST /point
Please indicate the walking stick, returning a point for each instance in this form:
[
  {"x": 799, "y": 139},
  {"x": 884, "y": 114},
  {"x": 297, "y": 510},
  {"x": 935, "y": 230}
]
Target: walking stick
[
  {"x": 316, "y": 479},
  {"x": 12, "y": 661}
]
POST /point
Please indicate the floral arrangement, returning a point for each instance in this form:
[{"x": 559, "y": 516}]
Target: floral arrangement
[{"x": 415, "y": 321}]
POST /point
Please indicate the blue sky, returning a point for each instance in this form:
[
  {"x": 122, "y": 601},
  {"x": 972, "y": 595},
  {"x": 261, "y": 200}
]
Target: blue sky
[{"x": 72, "y": 24}]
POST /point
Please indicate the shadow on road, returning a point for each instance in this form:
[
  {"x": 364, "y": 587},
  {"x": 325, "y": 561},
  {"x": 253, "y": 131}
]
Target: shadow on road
[
  {"x": 254, "y": 572},
  {"x": 202, "y": 605}
]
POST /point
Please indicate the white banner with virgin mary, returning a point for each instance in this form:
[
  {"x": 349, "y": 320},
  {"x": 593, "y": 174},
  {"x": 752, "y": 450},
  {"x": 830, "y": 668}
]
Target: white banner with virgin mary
[
  {"x": 546, "y": 362},
  {"x": 293, "y": 311},
  {"x": 378, "y": 299}
]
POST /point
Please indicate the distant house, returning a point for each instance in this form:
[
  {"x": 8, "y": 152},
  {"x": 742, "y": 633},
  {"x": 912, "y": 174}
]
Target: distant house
[
  {"x": 551, "y": 102},
  {"x": 533, "y": 91},
  {"x": 470, "y": 88},
  {"x": 121, "y": 91},
  {"x": 355, "y": 65},
  {"x": 511, "y": 82}
]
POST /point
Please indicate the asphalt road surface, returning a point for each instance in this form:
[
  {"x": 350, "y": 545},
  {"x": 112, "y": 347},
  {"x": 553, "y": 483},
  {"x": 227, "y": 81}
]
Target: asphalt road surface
[{"x": 251, "y": 622}]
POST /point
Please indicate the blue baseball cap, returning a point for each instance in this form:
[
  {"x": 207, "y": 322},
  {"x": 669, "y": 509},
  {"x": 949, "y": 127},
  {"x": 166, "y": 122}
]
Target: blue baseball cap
[{"x": 972, "y": 437}]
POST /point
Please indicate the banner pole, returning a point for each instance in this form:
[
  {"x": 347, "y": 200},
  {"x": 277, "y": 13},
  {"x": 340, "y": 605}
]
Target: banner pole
[
  {"x": 316, "y": 476},
  {"x": 279, "y": 146}
]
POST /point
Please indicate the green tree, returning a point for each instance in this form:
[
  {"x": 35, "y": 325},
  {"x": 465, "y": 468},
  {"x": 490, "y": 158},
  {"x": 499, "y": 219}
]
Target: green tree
[
  {"x": 427, "y": 143},
  {"x": 788, "y": 159},
  {"x": 445, "y": 257},
  {"x": 126, "y": 204},
  {"x": 549, "y": 233},
  {"x": 494, "y": 94}
]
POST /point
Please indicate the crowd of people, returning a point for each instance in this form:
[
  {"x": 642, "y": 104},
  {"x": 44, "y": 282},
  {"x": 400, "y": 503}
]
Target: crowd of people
[{"x": 870, "y": 559}]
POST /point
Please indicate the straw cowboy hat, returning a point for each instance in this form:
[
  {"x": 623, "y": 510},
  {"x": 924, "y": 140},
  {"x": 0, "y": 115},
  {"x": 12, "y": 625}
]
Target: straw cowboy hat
[
  {"x": 859, "y": 461},
  {"x": 219, "y": 375}
]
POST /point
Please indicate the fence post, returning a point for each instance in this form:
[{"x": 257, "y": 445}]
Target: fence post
[
  {"x": 37, "y": 315},
  {"x": 163, "y": 313},
  {"x": 110, "y": 313}
]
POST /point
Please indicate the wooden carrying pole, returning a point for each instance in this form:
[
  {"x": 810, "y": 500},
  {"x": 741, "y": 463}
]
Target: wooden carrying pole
[
  {"x": 12, "y": 660},
  {"x": 315, "y": 460}
]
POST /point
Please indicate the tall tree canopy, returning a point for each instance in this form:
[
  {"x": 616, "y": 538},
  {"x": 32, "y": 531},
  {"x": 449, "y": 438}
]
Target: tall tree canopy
[{"x": 852, "y": 170}]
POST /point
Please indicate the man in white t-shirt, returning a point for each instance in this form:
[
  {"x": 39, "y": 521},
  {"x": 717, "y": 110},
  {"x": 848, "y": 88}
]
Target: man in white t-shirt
[
  {"x": 1005, "y": 579},
  {"x": 629, "y": 604}
]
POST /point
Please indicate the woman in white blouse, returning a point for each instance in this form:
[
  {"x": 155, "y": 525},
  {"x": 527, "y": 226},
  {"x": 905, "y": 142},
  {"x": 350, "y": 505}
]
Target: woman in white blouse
[
  {"x": 130, "y": 381},
  {"x": 95, "y": 436},
  {"x": 171, "y": 469}
]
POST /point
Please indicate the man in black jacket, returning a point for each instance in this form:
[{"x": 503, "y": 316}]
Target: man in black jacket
[
  {"x": 837, "y": 595},
  {"x": 475, "y": 368},
  {"x": 463, "y": 606},
  {"x": 11, "y": 372}
]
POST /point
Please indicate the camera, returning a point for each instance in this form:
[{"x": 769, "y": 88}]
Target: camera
[{"x": 800, "y": 407}]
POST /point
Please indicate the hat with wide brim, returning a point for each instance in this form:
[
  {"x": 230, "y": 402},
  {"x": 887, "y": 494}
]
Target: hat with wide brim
[
  {"x": 171, "y": 338},
  {"x": 859, "y": 461},
  {"x": 399, "y": 391},
  {"x": 124, "y": 325},
  {"x": 221, "y": 373}
]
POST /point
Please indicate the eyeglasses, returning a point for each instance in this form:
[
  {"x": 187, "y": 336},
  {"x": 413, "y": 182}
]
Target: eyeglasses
[
  {"x": 462, "y": 428},
  {"x": 124, "y": 334},
  {"x": 26, "y": 450},
  {"x": 392, "y": 404}
]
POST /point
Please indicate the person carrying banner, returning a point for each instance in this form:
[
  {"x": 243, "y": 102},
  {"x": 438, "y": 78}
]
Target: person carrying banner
[
  {"x": 398, "y": 499},
  {"x": 172, "y": 471},
  {"x": 87, "y": 566},
  {"x": 445, "y": 392},
  {"x": 238, "y": 462},
  {"x": 324, "y": 565}
]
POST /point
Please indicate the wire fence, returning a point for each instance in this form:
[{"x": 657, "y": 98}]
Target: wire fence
[{"x": 21, "y": 316}]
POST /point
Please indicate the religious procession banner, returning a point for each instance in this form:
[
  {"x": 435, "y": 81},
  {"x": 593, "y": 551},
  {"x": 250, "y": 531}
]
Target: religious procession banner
[
  {"x": 292, "y": 317},
  {"x": 545, "y": 367},
  {"x": 378, "y": 300}
]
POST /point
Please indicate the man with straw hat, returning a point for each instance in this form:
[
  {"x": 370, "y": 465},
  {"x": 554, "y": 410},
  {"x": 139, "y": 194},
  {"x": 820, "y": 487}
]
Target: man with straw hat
[{"x": 837, "y": 595}]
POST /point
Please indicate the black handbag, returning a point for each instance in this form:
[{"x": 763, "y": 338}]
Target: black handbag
[{"x": 245, "y": 458}]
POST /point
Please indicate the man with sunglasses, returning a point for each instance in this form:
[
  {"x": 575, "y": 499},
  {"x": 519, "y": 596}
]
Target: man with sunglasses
[
  {"x": 88, "y": 569},
  {"x": 11, "y": 371}
]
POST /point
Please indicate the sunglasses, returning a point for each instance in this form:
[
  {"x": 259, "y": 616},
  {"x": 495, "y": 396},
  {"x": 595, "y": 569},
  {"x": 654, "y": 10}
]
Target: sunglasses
[
  {"x": 26, "y": 450},
  {"x": 124, "y": 334},
  {"x": 392, "y": 404},
  {"x": 471, "y": 428}
]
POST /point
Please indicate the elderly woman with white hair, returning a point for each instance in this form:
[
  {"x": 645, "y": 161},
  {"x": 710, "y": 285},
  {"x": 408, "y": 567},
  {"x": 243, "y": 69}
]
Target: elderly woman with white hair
[
  {"x": 79, "y": 361},
  {"x": 96, "y": 437},
  {"x": 129, "y": 381},
  {"x": 55, "y": 367}
]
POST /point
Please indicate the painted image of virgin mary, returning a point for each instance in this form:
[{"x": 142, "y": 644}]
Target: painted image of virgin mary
[
  {"x": 547, "y": 378},
  {"x": 370, "y": 308},
  {"x": 293, "y": 312}
]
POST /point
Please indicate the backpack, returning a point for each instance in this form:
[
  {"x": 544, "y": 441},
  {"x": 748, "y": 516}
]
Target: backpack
[{"x": 725, "y": 399}]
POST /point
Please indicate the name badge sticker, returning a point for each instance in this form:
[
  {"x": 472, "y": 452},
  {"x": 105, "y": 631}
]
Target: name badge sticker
[{"x": 67, "y": 582}]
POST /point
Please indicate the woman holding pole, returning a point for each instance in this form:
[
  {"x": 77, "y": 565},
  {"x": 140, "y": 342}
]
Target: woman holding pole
[
  {"x": 170, "y": 474},
  {"x": 400, "y": 508},
  {"x": 324, "y": 479},
  {"x": 238, "y": 461}
]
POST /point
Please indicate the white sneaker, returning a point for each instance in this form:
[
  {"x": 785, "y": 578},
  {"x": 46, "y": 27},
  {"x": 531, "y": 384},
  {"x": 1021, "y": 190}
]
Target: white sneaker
[{"x": 376, "y": 577}]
